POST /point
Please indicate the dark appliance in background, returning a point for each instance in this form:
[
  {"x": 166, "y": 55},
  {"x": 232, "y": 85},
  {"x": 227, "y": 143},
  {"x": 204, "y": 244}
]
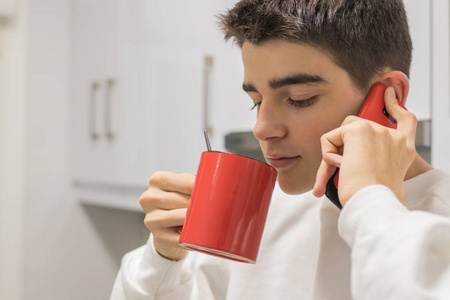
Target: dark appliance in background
[{"x": 244, "y": 143}]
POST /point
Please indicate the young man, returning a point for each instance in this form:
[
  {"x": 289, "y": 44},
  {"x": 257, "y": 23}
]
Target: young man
[{"x": 308, "y": 68}]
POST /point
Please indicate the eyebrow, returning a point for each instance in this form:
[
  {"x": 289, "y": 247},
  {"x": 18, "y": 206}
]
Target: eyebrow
[{"x": 300, "y": 78}]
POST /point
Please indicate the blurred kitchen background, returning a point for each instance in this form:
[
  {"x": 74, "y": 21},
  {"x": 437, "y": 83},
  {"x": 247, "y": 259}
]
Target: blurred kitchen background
[{"x": 96, "y": 95}]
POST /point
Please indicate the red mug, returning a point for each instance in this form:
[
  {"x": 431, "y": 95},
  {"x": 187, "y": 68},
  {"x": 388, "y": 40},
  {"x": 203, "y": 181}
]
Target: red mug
[{"x": 228, "y": 206}]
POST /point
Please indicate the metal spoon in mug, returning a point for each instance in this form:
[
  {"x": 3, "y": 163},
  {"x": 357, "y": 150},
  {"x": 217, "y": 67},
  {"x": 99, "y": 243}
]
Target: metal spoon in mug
[{"x": 208, "y": 145}]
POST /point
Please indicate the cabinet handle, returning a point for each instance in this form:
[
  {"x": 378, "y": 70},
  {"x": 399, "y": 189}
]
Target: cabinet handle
[
  {"x": 109, "y": 86},
  {"x": 92, "y": 117},
  {"x": 208, "y": 62}
]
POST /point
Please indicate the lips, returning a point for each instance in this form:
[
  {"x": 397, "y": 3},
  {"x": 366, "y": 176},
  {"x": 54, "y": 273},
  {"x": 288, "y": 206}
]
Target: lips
[{"x": 280, "y": 162}]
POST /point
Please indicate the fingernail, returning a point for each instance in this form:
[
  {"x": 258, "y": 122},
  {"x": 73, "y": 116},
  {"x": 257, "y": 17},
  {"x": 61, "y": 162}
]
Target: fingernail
[{"x": 392, "y": 91}]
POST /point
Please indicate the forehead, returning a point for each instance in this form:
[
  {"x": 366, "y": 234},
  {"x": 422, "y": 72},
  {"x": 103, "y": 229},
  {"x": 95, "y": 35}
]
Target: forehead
[{"x": 276, "y": 58}]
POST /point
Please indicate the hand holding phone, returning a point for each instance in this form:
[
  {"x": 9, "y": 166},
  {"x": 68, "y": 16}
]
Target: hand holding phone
[{"x": 374, "y": 110}]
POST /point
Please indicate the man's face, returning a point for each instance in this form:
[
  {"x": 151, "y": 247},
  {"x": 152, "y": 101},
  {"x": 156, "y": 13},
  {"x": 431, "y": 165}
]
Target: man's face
[{"x": 300, "y": 95}]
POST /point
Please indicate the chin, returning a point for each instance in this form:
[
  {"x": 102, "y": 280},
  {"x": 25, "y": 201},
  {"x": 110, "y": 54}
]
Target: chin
[{"x": 292, "y": 187}]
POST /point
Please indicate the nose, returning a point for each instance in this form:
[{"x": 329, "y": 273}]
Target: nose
[{"x": 269, "y": 123}]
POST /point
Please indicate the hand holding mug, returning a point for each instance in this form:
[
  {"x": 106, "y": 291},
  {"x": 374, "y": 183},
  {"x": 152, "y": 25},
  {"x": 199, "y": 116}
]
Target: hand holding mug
[{"x": 164, "y": 204}]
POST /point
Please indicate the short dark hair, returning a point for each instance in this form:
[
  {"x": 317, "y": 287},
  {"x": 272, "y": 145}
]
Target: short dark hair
[{"x": 361, "y": 36}]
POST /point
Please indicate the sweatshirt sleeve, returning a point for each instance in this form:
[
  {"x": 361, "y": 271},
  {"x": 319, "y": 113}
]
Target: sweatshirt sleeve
[
  {"x": 144, "y": 274},
  {"x": 396, "y": 253}
]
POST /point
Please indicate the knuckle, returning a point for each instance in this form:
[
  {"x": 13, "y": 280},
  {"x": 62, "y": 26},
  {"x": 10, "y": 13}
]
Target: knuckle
[
  {"x": 408, "y": 116},
  {"x": 147, "y": 198},
  {"x": 143, "y": 199},
  {"x": 413, "y": 118},
  {"x": 372, "y": 126},
  {"x": 350, "y": 119},
  {"x": 401, "y": 137},
  {"x": 399, "y": 140},
  {"x": 411, "y": 148},
  {"x": 153, "y": 221},
  {"x": 159, "y": 177},
  {"x": 366, "y": 126}
]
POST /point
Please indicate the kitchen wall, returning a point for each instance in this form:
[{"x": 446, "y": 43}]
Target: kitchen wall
[{"x": 51, "y": 246}]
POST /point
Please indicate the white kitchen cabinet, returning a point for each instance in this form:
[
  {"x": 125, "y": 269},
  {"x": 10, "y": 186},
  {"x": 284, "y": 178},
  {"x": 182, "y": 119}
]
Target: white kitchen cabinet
[
  {"x": 141, "y": 72},
  {"x": 99, "y": 100}
]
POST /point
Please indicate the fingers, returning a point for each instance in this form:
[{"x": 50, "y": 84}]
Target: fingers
[
  {"x": 164, "y": 226},
  {"x": 163, "y": 219},
  {"x": 171, "y": 182},
  {"x": 165, "y": 204},
  {"x": 349, "y": 119},
  {"x": 167, "y": 191},
  {"x": 331, "y": 159},
  {"x": 406, "y": 121},
  {"x": 373, "y": 154},
  {"x": 167, "y": 238},
  {"x": 324, "y": 173},
  {"x": 157, "y": 199}
]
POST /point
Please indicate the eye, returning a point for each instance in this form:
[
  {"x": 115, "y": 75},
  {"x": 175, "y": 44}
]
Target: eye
[
  {"x": 303, "y": 103},
  {"x": 256, "y": 105}
]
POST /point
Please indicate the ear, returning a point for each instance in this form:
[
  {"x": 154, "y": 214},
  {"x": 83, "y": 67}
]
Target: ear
[{"x": 399, "y": 81}]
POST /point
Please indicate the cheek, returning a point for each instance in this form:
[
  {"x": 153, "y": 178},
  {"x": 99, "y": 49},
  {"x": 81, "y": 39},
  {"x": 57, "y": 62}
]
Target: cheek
[
  {"x": 316, "y": 128},
  {"x": 311, "y": 136},
  {"x": 314, "y": 149},
  {"x": 333, "y": 116}
]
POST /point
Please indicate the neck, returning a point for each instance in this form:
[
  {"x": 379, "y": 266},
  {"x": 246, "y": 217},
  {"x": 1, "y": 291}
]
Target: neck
[{"x": 419, "y": 166}]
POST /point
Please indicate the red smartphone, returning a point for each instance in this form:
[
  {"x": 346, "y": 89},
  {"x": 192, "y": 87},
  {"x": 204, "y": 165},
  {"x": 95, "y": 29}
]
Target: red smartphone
[{"x": 374, "y": 110}]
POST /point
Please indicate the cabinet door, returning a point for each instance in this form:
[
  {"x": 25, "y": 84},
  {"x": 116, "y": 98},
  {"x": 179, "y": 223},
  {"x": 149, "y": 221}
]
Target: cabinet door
[
  {"x": 104, "y": 105},
  {"x": 94, "y": 71},
  {"x": 176, "y": 110}
]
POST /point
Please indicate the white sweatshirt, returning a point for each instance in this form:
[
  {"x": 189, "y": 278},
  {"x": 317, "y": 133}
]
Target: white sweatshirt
[{"x": 376, "y": 248}]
